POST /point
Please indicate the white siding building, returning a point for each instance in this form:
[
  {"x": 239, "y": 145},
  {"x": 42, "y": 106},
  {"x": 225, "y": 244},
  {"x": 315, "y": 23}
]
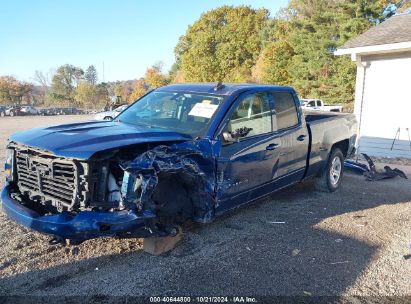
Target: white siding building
[{"x": 383, "y": 87}]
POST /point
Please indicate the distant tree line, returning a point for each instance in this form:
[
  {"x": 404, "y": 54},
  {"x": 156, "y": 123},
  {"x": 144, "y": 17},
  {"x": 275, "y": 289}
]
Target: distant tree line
[
  {"x": 233, "y": 44},
  {"x": 71, "y": 86},
  {"x": 153, "y": 78}
]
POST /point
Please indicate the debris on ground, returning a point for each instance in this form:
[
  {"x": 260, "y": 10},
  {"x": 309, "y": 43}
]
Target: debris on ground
[
  {"x": 343, "y": 262},
  {"x": 370, "y": 172}
]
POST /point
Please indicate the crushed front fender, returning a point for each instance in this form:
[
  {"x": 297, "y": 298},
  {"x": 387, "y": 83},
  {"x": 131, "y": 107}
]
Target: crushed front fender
[{"x": 193, "y": 159}]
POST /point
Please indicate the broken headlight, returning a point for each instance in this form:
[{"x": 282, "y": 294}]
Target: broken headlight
[
  {"x": 9, "y": 165},
  {"x": 130, "y": 188}
]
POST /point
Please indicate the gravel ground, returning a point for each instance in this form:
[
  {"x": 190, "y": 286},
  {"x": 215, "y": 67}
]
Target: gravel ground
[{"x": 296, "y": 242}]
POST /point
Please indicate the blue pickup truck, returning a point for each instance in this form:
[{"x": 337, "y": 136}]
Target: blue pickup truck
[{"x": 183, "y": 152}]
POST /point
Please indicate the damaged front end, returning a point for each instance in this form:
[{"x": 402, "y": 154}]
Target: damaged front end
[{"x": 141, "y": 191}]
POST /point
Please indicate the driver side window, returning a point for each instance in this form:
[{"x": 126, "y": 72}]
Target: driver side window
[{"x": 254, "y": 113}]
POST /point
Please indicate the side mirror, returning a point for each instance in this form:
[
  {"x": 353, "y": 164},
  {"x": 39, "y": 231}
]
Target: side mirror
[
  {"x": 236, "y": 135},
  {"x": 229, "y": 138}
]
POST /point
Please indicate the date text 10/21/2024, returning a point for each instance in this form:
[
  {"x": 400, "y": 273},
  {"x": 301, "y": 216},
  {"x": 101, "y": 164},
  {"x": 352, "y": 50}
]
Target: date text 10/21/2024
[{"x": 205, "y": 299}]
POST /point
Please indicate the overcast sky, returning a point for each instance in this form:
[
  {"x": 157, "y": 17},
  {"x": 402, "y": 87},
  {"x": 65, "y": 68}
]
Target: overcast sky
[{"x": 128, "y": 36}]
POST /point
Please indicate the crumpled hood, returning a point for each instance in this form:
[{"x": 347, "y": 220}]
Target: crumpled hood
[{"x": 82, "y": 140}]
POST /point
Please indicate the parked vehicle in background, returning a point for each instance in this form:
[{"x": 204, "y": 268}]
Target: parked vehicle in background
[
  {"x": 29, "y": 110},
  {"x": 318, "y": 105},
  {"x": 71, "y": 111},
  {"x": 110, "y": 115},
  {"x": 60, "y": 111},
  {"x": 2, "y": 111},
  {"x": 57, "y": 111},
  {"x": 44, "y": 111},
  {"x": 90, "y": 111},
  {"x": 14, "y": 111},
  {"x": 47, "y": 111},
  {"x": 185, "y": 152}
]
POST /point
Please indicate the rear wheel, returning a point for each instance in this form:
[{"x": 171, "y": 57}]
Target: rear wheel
[
  {"x": 11, "y": 113},
  {"x": 2, "y": 114},
  {"x": 107, "y": 118},
  {"x": 330, "y": 178}
]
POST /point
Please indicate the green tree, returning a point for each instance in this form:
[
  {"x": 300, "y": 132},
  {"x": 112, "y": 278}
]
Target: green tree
[
  {"x": 299, "y": 49},
  {"x": 14, "y": 91},
  {"x": 222, "y": 45},
  {"x": 86, "y": 95},
  {"x": 64, "y": 84},
  {"x": 91, "y": 96},
  {"x": 154, "y": 76},
  {"x": 118, "y": 89},
  {"x": 43, "y": 93},
  {"x": 272, "y": 64},
  {"x": 122, "y": 91},
  {"x": 140, "y": 89},
  {"x": 91, "y": 75}
]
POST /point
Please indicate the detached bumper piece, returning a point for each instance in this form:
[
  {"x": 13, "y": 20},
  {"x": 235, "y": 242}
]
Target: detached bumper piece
[
  {"x": 84, "y": 225},
  {"x": 370, "y": 172}
]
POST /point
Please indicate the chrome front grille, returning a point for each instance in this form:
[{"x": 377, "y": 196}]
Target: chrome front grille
[{"x": 47, "y": 177}]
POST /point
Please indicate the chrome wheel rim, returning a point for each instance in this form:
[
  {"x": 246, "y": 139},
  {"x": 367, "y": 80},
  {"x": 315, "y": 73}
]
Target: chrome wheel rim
[{"x": 335, "y": 171}]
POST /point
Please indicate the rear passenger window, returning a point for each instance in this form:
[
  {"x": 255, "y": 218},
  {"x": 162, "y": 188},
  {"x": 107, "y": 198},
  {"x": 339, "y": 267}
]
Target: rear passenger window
[
  {"x": 253, "y": 112},
  {"x": 286, "y": 112}
]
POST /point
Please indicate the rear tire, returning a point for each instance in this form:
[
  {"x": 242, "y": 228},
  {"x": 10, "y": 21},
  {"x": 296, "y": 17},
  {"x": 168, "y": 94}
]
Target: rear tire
[
  {"x": 11, "y": 113},
  {"x": 330, "y": 178}
]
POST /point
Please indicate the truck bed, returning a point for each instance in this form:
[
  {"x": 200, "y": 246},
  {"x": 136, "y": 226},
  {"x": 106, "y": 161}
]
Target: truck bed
[
  {"x": 327, "y": 128},
  {"x": 311, "y": 116}
]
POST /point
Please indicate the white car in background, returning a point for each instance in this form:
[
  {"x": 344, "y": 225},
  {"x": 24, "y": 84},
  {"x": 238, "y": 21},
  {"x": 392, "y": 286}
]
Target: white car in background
[
  {"x": 110, "y": 115},
  {"x": 29, "y": 110},
  {"x": 318, "y": 105}
]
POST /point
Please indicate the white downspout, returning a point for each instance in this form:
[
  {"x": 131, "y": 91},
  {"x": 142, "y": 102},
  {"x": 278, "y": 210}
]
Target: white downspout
[{"x": 359, "y": 92}]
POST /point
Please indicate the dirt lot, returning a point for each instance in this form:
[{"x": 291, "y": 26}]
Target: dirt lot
[{"x": 297, "y": 242}]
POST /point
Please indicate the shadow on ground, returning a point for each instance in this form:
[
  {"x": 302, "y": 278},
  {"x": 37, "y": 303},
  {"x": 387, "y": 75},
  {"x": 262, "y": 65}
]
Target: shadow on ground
[{"x": 242, "y": 253}]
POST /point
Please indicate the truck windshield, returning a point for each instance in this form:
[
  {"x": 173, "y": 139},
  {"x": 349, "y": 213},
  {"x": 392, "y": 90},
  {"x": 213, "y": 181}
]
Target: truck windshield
[{"x": 187, "y": 113}]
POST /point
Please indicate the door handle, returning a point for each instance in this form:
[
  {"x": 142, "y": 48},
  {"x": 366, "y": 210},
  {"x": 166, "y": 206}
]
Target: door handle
[
  {"x": 271, "y": 146},
  {"x": 301, "y": 137}
]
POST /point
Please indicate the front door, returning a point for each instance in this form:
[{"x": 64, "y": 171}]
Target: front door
[{"x": 250, "y": 163}]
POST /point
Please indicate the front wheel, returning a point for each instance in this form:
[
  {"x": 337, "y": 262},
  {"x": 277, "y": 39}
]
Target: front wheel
[
  {"x": 11, "y": 113},
  {"x": 330, "y": 178}
]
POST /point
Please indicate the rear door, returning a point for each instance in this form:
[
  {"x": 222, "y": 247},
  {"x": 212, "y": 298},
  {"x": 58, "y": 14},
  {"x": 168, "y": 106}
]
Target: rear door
[
  {"x": 293, "y": 134},
  {"x": 252, "y": 162}
]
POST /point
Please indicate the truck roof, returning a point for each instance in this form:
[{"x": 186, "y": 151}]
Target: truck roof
[{"x": 223, "y": 89}]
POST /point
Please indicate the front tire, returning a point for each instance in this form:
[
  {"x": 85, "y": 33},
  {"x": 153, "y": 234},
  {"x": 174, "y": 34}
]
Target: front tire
[{"x": 330, "y": 178}]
